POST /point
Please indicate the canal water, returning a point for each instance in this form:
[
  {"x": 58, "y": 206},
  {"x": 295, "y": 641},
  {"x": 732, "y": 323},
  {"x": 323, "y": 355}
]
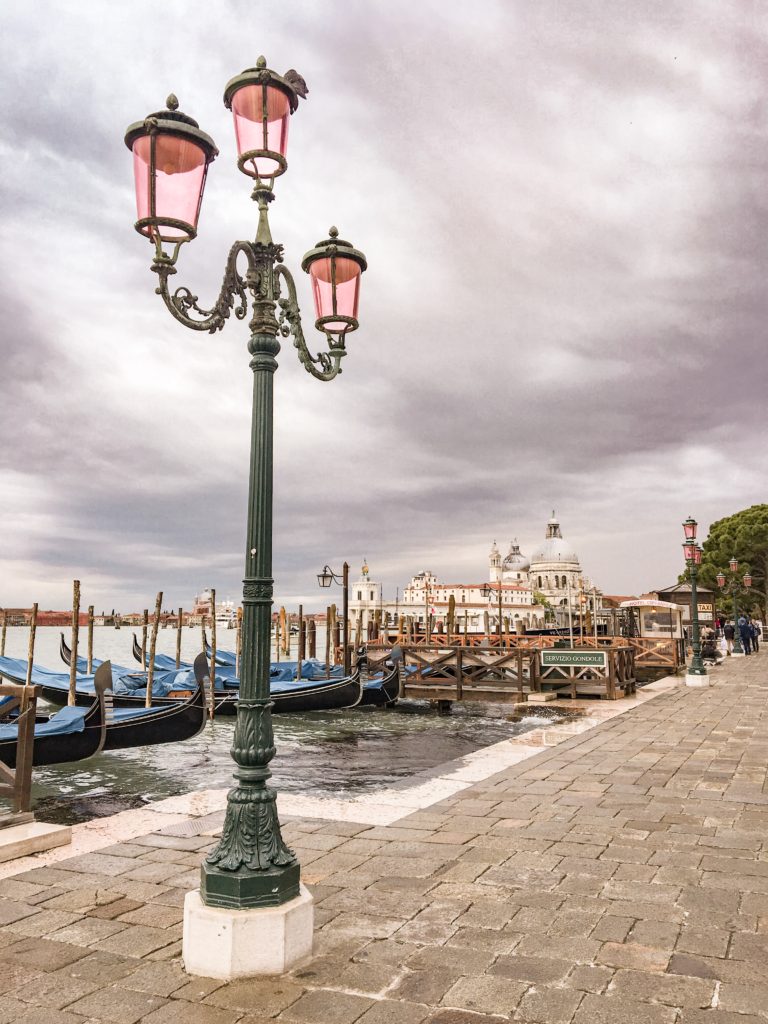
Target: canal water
[{"x": 340, "y": 753}]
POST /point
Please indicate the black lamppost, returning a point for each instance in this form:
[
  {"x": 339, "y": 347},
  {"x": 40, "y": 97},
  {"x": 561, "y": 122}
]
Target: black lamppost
[
  {"x": 251, "y": 866},
  {"x": 733, "y": 587},
  {"x": 488, "y": 592},
  {"x": 693, "y": 560},
  {"x": 325, "y": 579}
]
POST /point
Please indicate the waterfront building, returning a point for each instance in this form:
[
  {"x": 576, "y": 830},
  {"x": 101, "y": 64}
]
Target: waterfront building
[
  {"x": 555, "y": 572},
  {"x": 532, "y": 590}
]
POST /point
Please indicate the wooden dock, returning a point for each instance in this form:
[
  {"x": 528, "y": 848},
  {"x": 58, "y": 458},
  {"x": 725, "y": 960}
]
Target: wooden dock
[{"x": 508, "y": 675}]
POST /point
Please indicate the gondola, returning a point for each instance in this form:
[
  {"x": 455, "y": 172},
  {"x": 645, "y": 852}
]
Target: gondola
[
  {"x": 65, "y": 653},
  {"x": 169, "y": 723},
  {"x": 381, "y": 689},
  {"x": 162, "y": 661},
  {"x": 287, "y": 695},
  {"x": 72, "y": 734}
]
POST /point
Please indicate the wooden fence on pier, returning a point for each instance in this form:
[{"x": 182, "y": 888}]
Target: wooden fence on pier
[
  {"x": 650, "y": 653},
  {"x": 457, "y": 673}
]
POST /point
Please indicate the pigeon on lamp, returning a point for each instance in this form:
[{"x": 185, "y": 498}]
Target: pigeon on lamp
[{"x": 297, "y": 83}]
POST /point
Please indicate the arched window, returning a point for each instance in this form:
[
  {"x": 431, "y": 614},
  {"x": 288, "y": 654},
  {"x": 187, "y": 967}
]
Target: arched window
[
  {"x": 557, "y": 582},
  {"x": 565, "y": 583},
  {"x": 539, "y": 582}
]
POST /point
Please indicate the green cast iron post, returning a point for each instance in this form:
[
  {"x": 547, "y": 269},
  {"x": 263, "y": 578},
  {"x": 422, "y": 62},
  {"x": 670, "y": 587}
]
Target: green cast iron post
[
  {"x": 251, "y": 866},
  {"x": 696, "y": 667}
]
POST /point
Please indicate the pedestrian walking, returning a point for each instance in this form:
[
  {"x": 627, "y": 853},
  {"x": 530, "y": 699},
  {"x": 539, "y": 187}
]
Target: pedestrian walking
[
  {"x": 746, "y": 634},
  {"x": 729, "y": 633}
]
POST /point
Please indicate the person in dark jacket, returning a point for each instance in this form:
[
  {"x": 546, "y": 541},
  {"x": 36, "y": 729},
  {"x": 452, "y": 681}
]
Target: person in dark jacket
[
  {"x": 755, "y": 634},
  {"x": 729, "y": 633},
  {"x": 745, "y": 633}
]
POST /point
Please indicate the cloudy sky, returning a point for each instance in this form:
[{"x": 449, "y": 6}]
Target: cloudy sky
[{"x": 563, "y": 206}]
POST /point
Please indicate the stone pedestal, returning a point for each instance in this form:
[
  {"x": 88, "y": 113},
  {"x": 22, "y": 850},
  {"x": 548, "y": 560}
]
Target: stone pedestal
[
  {"x": 32, "y": 837},
  {"x": 692, "y": 679},
  {"x": 229, "y": 944}
]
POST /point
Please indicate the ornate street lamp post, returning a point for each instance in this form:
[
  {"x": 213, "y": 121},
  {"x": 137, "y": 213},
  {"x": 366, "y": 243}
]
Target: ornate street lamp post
[
  {"x": 251, "y": 867},
  {"x": 325, "y": 579},
  {"x": 732, "y": 586},
  {"x": 697, "y": 673},
  {"x": 488, "y": 592}
]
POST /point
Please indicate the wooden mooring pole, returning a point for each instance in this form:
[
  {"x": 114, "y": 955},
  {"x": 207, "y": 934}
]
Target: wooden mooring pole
[
  {"x": 300, "y": 645},
  {"x": 73, "y": 645},
  {"x": 90, "y": 639},
  {"x": 31, "y": 647},
  {"x": 2, "y": 635},
  {"x": 211, "y": 706},
  {"x": 152, "y": 650},
  {"x": 144, "y": 624},
  {"x": 312, "y": 638},
  {"x": 178, "y": 637}
]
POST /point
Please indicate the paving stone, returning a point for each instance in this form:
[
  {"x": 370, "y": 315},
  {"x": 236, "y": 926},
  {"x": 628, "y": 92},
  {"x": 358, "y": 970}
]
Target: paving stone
[
  {"x": 119, "y": 1006},
  {"x": 590, "y": 978},
  {"x": 42, "y": 954},
  {"x": 136, "y": 940},
  {"x": 391, "y": 1011},
  {"x": 55, "y": 990},
  {"x": 534, "y": 970},
  {"x": 327, "y": 1006},
  {"x": 87, "y": 931},
  {"x": 744, "y": 998},
  {"x": 47, "y": 1015},
  {"x": 180, "y": 1012},
  {"x": 674, "y": 991},
  {"x": 658, "y": 934},
  {"x": 713, "y": 942},
  {"x": 159, "y": 979},
  {"x": 424, "y": 986},
  {"x": 607, "y": 1009},
  {"x": 631, "y": 954},
  {"x": 555, "y": 1006},
  {"x": 487, "y": 994},
  {"x": 267, "y": 996}
]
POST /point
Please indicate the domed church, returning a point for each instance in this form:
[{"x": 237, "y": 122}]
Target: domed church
[{"x": 552, "y": 570}]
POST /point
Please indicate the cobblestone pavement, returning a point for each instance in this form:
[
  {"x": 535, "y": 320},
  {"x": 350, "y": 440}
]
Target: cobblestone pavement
[{"x": 620, "y": 877}]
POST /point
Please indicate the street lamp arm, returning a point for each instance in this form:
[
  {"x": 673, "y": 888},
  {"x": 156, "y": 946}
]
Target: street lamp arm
[
  {"x": 233, "y": 294},
  {"x": 325, "y": 365}
]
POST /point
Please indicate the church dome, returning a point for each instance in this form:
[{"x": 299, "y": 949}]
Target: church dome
[
  {"x": 554, "y": 548},
  {"x": 515, "y": 561}
]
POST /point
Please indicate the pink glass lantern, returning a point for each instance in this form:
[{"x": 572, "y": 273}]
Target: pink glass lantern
[
  {"x": 170, "y": 163},
  {"x": 747, "y": 579},
  {"x": 689, "y": 526},
  {"x": 335, "y": 268},
  {"x": 262, "y": 102},
  {"x": 733, "y": 564},
  {"x": 720, "y": 579},
  {"x": 689, "y": 549},
  {"x": 698, "y": 551}
]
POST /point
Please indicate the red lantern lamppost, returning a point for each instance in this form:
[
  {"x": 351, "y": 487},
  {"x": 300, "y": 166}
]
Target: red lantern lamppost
[{"x": 251, "y": 867}]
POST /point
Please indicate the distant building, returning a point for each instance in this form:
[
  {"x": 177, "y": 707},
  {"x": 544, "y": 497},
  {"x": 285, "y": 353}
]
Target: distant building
[{"x": 554, "y": 571}]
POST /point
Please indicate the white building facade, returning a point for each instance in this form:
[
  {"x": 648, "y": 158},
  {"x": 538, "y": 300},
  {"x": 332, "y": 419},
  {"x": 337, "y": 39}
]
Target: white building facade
[{"x": 553, "y": 573}]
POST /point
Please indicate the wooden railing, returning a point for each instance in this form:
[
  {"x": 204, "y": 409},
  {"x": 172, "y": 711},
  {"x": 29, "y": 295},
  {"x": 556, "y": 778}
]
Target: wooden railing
[{"x": 438, "y": 672}]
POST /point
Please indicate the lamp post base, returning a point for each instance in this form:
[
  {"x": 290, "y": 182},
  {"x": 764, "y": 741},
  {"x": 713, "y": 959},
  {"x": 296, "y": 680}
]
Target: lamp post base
[
  {"x": 228, "y": 944},
  {"x": 697, "y": 679}
]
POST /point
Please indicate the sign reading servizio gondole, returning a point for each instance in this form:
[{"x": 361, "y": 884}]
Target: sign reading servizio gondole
[{"x": 569, "y": 656}]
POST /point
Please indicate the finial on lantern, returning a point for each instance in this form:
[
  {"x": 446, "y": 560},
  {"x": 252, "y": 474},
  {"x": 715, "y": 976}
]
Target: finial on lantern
[
  {"x": 261, "y": 62},
  {"x": 333, "y": 231},
  {"x": 172, "y": 102}
]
